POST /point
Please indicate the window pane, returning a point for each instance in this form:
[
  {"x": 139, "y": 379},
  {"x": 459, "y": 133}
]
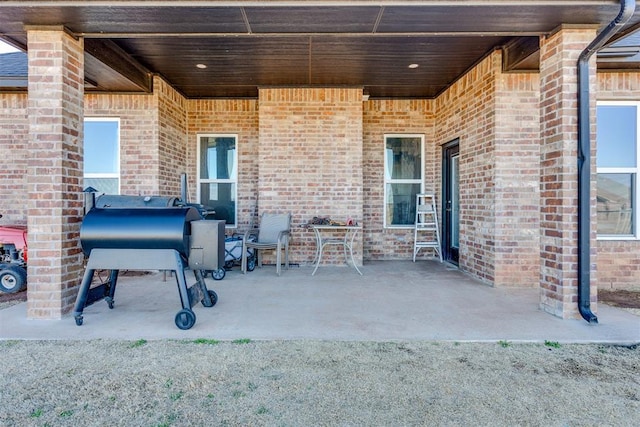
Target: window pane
[
  {"x": 455, "y": 202},
  {"x": 617, "y": 130},
  {"x": 220, "y": 197},
  {"x": 103, "y": 185},
  {"x": 401, "y": 203},
  {"x": 101, "y": 147},
  {"x": 615, "y": 203},
  {"x": 403, "y": 158},
  {"x": 217, "y": 157}
]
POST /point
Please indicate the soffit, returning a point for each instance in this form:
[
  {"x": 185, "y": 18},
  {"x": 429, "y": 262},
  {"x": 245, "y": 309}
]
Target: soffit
[{"x": 246, "y": 45}]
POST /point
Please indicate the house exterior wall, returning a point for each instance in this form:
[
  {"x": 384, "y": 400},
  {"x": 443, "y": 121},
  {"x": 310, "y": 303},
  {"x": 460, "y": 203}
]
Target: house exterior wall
[
  {"x": 138, "y": 152},
  {"x": 382, "y": 117},
  {"x": 153, "y": 137},
  {"x": 14, "y": 140},
  {"x": 618, "y": 260},
  {"x": 310, "y": 160},
  {"x": 517, "y": 180},
  {"x": 171, "y": 126},
  {"x": 495, "y": 116},
  {"x": 228, "y": 116},
  {"x": 467, "y": 111}
]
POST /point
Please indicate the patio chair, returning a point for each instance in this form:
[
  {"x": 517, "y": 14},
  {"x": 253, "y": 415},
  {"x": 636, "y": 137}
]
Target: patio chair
[{"x": 272, "y": 234}]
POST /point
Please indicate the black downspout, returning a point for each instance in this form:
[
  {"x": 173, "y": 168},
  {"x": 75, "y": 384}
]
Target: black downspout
[{"x": 627, "y": 8}]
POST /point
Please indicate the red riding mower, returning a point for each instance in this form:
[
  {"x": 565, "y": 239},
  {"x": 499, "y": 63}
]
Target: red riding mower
[{"x": 13, "y": 258}]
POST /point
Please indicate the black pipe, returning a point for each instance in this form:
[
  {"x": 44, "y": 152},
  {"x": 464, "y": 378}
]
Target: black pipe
[
  {"x": 627, "y": 8},
  {"x": 183, "y": 188}
]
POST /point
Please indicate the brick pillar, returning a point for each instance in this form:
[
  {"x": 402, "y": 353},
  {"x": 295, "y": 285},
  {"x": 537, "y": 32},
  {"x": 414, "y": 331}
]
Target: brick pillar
[
  {"x": 558, "y": 169},
  {"x": 54, "y": 173}
]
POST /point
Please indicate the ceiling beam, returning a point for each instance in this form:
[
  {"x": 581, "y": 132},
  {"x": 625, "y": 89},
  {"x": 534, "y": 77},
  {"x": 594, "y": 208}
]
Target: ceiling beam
[
  {"x": 521, "y": 54},
  {"x": 129, "y": 35},
  {"x": 118, "y": 60}
]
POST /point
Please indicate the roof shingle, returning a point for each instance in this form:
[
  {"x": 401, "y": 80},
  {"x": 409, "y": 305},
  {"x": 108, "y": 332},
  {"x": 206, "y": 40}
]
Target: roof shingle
[{"x": 13, "y": 64}]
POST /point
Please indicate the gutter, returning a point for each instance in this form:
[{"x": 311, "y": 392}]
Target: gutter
[{"x": 627, "y": 8}]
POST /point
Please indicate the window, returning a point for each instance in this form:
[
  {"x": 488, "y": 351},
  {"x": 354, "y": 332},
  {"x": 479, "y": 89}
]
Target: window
[
  {"x": 217, "y": 175},
  {"x": 403, "y": 178},
  {"x": 617, "y": 162},
  {"x": 102, "y": 155}
]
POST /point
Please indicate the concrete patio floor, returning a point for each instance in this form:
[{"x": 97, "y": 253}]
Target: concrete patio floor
[{"x": 393, "y": 300}]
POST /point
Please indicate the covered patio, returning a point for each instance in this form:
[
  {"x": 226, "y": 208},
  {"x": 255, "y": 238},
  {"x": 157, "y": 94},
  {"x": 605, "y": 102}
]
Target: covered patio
[
  {"x": 311, "y": 98},
  {"x": 391, "y": 301}
]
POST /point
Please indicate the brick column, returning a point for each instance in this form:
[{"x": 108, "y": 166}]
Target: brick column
[
  {"x": 54, "y": 174},
  {"x": 558, "y": 169}
]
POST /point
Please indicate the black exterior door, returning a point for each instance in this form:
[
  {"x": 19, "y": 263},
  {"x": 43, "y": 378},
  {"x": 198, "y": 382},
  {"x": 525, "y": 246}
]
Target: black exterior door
[{"x": 451, "y": 201}]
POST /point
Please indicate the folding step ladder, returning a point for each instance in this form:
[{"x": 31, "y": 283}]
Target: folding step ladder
[{"x": 426, "y": 233}]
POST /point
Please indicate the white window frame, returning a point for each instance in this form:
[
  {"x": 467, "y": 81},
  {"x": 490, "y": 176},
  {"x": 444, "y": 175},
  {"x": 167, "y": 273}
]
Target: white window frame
[
  {"x": 232, "y": 180},
  {"x": 388, "y": 180},
  {"x": 106, "y": 175},
  {"x": 633, "y": 170}
]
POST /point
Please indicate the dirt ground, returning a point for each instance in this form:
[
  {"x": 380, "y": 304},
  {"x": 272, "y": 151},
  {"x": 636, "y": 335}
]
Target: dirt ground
[
  {"x": 7, "y": 300},
  {"x": 620, "y": 298},
  {"x": 204, "y": 382}
]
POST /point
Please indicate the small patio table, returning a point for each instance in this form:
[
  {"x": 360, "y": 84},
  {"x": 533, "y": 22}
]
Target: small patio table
[{"x": 341, "y": 235}]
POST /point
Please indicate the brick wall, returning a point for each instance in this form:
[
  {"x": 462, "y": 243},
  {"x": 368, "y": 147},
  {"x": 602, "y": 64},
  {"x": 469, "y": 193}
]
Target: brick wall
[
  {"x": 54, "y": 172},
  {"x": 517, "y": 180},
  {"x": 378, "y": 117},
  {"x": 382, "y": 117},
  {"x": 467, "y": 111},
  {"x": 558, "y": 187},
  {"x": 495, "y": 116},
  {"x": 310, "y": 159},
  {"x": 153, "y": 139},
  {"x": 171, "y": 125},
  {"x": 138, "y": 145},
  {"x": 618, "y": 260},
  {"x": 14, "y": 140},
  {"x": 228, "y": 116}
]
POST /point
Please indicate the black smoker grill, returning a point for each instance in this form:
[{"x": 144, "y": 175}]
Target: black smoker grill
[{"x": 151, "y": 239}]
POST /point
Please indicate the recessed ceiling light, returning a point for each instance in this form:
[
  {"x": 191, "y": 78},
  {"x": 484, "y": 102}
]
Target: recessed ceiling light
[
  {"x": 413, "y": 65},
  {"x": 201, "y": 66}
]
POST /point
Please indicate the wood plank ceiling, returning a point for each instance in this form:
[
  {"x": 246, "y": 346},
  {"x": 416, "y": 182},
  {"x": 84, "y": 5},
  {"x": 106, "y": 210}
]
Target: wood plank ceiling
[{"x": 246, "y": 45}]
